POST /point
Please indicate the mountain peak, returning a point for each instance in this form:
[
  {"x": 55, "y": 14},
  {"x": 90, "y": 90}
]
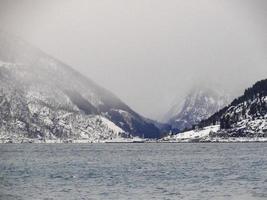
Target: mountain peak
[{"x": 199, "y": 103}]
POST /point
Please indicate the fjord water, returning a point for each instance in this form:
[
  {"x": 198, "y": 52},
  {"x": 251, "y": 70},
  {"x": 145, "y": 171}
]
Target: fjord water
[{"x": 133, "y": 171}]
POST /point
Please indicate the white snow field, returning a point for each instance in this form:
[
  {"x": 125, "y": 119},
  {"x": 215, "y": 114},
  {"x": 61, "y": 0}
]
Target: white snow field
[{"x": 205, "y": 135}]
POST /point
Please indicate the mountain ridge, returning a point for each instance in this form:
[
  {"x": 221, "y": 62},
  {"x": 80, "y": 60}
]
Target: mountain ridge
[
  {"x": 34, "y": 76},
  {"x": 245, "y": 115},
  {"x": 200, "y": 103}
]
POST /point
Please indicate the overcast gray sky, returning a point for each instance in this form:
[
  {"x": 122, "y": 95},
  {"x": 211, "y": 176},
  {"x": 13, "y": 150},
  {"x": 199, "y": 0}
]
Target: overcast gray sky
[{"x": 148, "y": 52}]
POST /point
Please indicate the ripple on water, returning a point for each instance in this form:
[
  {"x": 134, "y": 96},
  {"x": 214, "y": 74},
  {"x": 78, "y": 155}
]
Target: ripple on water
[{"x": 143, "y": 171}]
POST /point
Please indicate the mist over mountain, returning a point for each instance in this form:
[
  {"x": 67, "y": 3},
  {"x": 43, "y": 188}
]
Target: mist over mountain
[
  {"x": 43, "y": 97},
  {"x": 200, "y": 103},
  {"x": 246, "y": 116},
  {"x": 148, "y": 52},
  {"x": 243, "y": 120}
]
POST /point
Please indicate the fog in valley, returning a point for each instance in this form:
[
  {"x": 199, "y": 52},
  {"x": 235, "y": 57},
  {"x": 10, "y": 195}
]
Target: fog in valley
[{"x": 149, "y": 53}]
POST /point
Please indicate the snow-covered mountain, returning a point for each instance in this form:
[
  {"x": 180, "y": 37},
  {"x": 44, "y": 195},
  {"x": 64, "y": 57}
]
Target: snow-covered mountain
[
  {"x": 246, "y": 116},
  {"x": 244, "y": 120},
  {"x": 41, "y": 97},
  {"x": 199, "y": 104}
]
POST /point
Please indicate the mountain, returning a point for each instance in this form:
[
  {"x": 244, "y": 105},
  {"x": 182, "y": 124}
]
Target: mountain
[
  {"x": 244, "y": 120},
  {"x": 41, "y": 97},
  {"x": 246, "y": 116},
  {"x": 199, "y": 104}
]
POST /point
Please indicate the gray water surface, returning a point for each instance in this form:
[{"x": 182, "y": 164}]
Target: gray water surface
[{"x": 133, "y": 171}]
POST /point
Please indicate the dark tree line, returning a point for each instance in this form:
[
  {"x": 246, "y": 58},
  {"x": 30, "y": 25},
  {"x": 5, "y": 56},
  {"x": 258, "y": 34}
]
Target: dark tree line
[{"x": 252, "y": 103}]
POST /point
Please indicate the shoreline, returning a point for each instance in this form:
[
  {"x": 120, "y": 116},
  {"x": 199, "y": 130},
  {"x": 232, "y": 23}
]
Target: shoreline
[{"x": 261, "y": 140}]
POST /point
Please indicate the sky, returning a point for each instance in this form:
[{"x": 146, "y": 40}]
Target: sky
[{"x": 149, "y": 52}]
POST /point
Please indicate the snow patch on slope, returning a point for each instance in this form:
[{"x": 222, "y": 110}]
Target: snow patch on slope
[
  {"x": 193, "y": 134},
  {"x": 117, "y": 130},
  {"x": 208, "y": 134}
]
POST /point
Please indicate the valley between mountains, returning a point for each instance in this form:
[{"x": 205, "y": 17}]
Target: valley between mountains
[{"x": 43, "y": 100}]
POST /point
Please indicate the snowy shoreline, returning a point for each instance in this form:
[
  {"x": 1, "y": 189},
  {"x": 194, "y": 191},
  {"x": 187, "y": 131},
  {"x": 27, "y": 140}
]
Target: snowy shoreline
[
  {"x": 221, "y": 140},
  {"x": 205, "y": 135},
  {"x": 214, "y": 140},
  {"x": 70, "y": 141}
]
